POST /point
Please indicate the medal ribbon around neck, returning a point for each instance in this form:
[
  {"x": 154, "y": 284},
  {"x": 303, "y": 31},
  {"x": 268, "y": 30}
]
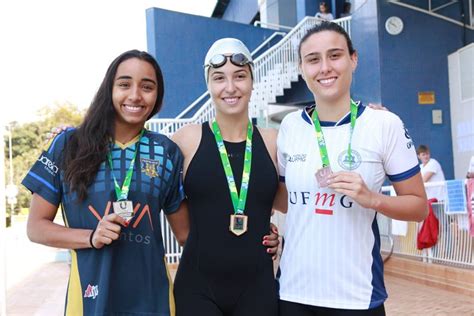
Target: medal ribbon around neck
[
  {"x": 238, "y": 201},
  {"x": 122, "y": 193},
  {"x": 320, "y": 137}
]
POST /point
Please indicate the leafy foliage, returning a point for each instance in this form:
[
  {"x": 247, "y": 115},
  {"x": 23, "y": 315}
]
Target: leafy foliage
[{"x": 29, "y": 139}]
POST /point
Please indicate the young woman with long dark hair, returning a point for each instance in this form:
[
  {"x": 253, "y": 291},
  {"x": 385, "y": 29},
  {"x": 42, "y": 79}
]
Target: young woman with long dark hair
[{"x": 112, "y": 178}]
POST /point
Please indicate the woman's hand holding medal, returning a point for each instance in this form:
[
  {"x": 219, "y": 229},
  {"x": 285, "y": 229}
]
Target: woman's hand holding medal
[
  {"x": 107, "y": 230},
  {"x": 352, "y": 185}
]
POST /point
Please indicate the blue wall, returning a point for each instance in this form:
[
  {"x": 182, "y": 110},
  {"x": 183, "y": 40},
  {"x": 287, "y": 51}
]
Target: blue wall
[
  {"x": 179, "y": 42},
  {"x": 414, "y": 61},
  {"x": 306, "y": 8},
  {"x": 242, "y": 11},
  {"x": 366, "y": 84}
]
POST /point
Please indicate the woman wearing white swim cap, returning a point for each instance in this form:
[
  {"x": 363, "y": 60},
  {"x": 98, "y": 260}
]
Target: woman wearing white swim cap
[{"x": 231, "y": 185}]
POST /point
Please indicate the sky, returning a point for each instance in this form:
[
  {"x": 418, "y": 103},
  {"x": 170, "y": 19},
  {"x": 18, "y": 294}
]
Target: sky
[{"x": 57, "y": 51}]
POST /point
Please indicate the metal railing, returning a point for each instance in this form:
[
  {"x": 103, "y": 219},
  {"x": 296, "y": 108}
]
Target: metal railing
[
  {"x": 274, "y": 70},
  {"x": 455, "y": 246},
  {"x": 272, "y": 26},
  {"x": 173, "y": 250}
]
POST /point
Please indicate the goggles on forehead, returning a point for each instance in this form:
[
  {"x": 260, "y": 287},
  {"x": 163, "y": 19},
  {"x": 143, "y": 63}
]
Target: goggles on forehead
[{"x": 219, "y": 60}]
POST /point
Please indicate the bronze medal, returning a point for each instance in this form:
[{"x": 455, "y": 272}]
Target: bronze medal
[
  {"x": 238, "y": 224},
  {"x": 322, "y": 176}
]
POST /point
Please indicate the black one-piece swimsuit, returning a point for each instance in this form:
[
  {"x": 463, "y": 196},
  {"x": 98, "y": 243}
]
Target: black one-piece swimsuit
[{"x": 220, "y": 273}]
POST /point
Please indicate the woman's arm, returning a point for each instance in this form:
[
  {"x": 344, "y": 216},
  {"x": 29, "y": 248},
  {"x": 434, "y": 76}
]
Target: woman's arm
[
  {"x": 41, "y": 228},
  {"x": 188, "y": 138},
  {"x": 179, "y": 222},
  {"x": 409, "y": 204},
  {"x": 427, "y": 176},
  {"x": 281, "y": 198},
  {"x": 271, "y": 241}
]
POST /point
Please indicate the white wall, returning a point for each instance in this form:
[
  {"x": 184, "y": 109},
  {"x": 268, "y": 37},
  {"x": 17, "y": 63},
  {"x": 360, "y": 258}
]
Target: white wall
[{"x": 461, "y": 94}]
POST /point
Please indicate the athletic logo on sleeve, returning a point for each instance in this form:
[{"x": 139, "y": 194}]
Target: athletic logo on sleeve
[
  {"x": 49, "y": 165},
  {"x": 407, "y": 136}
]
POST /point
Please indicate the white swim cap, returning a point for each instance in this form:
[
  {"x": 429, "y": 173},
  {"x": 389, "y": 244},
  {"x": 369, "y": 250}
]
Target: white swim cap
[{"x": 227, "y": 46}]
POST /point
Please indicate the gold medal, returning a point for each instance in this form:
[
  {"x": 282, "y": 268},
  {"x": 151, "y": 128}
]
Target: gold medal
[
  {"x": 238, "y": 224},
  {"x": 124, "y": 209}
]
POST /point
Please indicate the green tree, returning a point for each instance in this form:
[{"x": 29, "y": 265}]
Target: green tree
[{"x": 29, "y": 139}]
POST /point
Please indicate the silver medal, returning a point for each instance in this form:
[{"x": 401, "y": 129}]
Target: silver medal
[{"x": 124, "y": 209}]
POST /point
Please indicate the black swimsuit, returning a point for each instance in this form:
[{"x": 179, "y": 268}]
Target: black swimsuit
[{"x": 220, "y": 273}]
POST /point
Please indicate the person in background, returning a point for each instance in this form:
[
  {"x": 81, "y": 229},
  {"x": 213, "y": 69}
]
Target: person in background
[
  {"x": 431, "y": 171},
  {"x": 470, "y": 169},
  {"x": 324, "y": 12},
  {"x": 346, "y": 10}
]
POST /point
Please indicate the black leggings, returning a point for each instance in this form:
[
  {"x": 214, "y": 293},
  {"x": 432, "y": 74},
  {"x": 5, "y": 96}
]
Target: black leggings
[
  {"x": 196, "y": 295},
  {"x": 293, "y": 309}
]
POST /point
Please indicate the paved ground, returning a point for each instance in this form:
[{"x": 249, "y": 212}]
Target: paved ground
[
  {"x": 43, "y": 292},
  {"x": 407, "y": 298},
  {"x": 36, "y": 285}
]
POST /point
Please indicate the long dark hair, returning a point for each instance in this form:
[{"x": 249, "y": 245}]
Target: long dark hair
[
  {"x": 327, "y": 26},
  {"x": 88, "y": 146}
]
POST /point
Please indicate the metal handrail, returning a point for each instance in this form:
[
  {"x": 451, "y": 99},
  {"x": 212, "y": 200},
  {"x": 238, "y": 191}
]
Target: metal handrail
[
  {"x": 192, "y": 105},
  {"x": 259, "y": 23},
  {"x": 274, "y": 34},
  {"x": 390, "y": 252}
]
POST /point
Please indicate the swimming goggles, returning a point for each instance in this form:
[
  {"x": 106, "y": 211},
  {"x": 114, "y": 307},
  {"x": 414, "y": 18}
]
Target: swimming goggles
[{"x": 219, "y": 60}]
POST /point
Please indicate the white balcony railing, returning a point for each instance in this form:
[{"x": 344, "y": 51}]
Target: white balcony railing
[{"x": 455, "y": 245}]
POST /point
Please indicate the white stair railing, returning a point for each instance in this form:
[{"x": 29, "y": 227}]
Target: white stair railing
[{"x": 274, "y": 71}]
